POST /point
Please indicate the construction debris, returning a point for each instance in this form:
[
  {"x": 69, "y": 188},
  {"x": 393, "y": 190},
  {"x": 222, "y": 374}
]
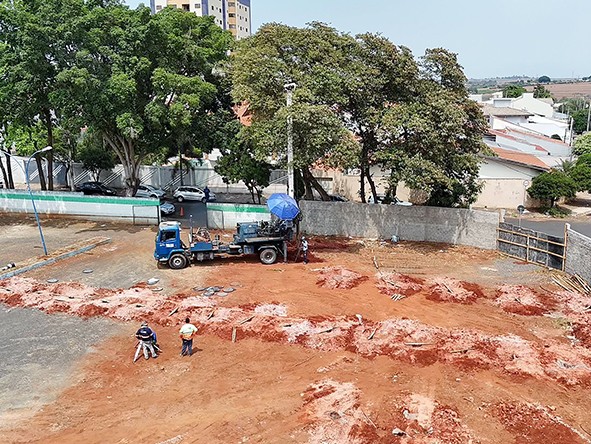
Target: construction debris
[
  {"x": 173, "y": 311},
  {"x": 234, "y": 334},
  {"x": 246, "y": 320},
  {"x": 573, "y": 283},
  {"x": 372, "y": 334}
]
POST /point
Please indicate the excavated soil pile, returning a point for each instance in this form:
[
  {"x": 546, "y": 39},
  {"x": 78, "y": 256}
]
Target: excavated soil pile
[
  {"x": 339, "y": 277},
  {"x": 445, "y": 289},
  {"x": 523, "y": 301},
  {"x": 392, "y": 284},
  {"x": 536, "y": 424}
]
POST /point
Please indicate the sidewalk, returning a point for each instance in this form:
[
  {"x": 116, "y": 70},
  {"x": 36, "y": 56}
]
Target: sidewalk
[{"x": 580, "y": 206}]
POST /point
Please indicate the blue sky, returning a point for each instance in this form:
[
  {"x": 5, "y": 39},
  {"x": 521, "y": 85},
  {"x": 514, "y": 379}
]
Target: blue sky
[{"x": 492, "y": 38}]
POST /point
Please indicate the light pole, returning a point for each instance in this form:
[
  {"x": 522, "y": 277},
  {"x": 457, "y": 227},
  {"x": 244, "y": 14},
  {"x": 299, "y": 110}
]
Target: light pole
[
  {"x": 289, "y": 88},
  {"x": 26, "y": 171}
]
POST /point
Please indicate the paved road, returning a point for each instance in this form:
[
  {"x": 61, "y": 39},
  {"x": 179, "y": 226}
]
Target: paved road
[
  {"x": 552, "y": 226},
  {"x": 38, "y": 353}
]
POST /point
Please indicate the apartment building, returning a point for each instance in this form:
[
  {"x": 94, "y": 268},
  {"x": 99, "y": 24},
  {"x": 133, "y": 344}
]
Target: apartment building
[{"x": 232, "y": 15}]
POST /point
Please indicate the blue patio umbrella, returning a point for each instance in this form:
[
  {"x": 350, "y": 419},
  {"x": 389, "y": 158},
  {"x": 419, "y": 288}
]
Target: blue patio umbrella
[{"x": 283, "y": 206}]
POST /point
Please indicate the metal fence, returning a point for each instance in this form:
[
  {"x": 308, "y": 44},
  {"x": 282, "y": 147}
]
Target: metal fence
[{"x": 532, "y": 246}]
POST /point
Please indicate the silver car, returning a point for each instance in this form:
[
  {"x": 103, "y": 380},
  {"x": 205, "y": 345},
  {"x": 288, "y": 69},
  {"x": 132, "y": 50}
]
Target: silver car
[
  {"x": 149, "y": 191},
  {"x": 166, "y": 209},
  {"x": 191, "y": 193}
]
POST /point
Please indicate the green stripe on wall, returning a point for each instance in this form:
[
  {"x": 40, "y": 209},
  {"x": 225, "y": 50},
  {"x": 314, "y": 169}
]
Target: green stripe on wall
[
  {"x": 59, "y": 197},
  {"x": 238, "y": 208}
]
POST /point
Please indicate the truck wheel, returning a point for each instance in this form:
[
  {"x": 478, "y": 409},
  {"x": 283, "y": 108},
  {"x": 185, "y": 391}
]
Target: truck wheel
[
  {"x": 177, "y": 261},
  {"x": 268, "y": 256}
]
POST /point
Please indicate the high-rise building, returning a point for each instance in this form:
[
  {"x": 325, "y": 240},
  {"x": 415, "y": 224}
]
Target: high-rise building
[{"x": 232, "y": 15}]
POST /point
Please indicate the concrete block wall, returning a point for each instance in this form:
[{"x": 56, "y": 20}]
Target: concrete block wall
[
  {"x": 225, "y": 216},
  {"x": 115, "y": 209},
  {"x": 578, "y": 252},
  {"x": 416, "y": 223}
]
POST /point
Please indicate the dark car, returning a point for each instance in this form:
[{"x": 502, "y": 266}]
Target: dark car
[{"x": 97, "y": 188}]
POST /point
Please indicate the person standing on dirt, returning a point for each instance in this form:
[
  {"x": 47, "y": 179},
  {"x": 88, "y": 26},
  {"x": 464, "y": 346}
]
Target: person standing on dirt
[
  {"x": 207, "y": 193},
  {"x": 304, "y": 247},
  {"x": 147, "y": 338},
  {"x": 186, "y": 333}
]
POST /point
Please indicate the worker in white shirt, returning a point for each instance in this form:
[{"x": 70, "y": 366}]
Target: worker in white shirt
[{"x": 186, "y": 333}]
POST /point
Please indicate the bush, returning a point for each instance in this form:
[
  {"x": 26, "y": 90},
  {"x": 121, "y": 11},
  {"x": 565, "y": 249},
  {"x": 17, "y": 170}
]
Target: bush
[{"x": 556, "y": 211}]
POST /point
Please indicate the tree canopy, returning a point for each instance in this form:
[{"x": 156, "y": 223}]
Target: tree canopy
[
  {"x": 551, "y": 186},
  {"x": 582, "y": 145},
  {"x": 361, "y": 102},
  {"x": 513, "y": 91},
  {"x": 144, "y": 83}
]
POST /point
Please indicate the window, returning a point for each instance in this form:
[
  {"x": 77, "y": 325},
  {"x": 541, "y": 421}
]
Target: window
[
  {"x": 185, "y": 7},
  {"x": 231, "y": 4},
  {"x": 232, "y": 26},
  {"x": 231, "y": 15},
  {"x": 213, "y": 8},
  {"x": 158, "y": 8},
  {"x": 197, "y": 5}
]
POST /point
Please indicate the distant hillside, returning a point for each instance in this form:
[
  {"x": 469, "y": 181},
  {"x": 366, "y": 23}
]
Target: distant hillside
[{"x": 566, "y": 90}]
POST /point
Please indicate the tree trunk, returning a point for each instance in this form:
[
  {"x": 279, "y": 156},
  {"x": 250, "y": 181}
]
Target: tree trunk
[
  {"x": 39, "y": 162},
  {"x": 372, "y": 185},
  {"x": 9, "y": 172},
  {"x": 125, "y": 150},
  {"x": 309, "y": 178},
  {"x": 4, "y": 175},
  {"x": 308, "y": 194},
  {"x": 49, "y": 127}
]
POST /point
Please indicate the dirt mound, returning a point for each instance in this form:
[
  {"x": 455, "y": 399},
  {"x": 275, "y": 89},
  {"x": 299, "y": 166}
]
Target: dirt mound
[
  {"x": 518, "y": 419},
  {"x": 522, "y": 300},
  {"x": 445, "y": 289},
  {"x": 391, "y": 284},
  {"x": 332, "y": 410},
  {"x": 339, "y": 277}
]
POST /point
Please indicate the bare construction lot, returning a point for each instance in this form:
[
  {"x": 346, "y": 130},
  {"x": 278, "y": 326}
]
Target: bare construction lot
[{"x": 369, "y": 343}]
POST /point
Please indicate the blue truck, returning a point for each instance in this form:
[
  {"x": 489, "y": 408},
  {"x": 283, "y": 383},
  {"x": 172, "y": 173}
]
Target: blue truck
[{"x": 266, "y": 239}]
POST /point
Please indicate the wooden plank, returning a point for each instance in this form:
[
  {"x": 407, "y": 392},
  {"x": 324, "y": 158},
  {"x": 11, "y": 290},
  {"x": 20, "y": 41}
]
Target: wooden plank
[
  {"x": 530, "y": 247},
  {"x": 561, "y": 244}
]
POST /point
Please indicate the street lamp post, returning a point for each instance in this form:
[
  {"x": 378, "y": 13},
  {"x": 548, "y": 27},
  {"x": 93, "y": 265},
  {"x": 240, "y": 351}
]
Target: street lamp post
[
  {"x": 27, "y": 179},
  {"x": 289, "y": 87}
]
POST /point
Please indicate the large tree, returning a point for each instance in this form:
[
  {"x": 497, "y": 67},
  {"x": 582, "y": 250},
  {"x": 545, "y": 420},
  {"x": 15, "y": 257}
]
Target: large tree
[
  {"x": 312, "y": 58},
  {"x": 347, "y": 89},
  {"x": 40, "y": 38},
  {"x": 144, "y": 81}
]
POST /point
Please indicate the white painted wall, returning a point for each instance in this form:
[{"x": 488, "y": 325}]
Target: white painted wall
[
  {"x": 226, "y": 216},
  {"x": 117, "y": 209},
  {"x": 527, "y": 102}
]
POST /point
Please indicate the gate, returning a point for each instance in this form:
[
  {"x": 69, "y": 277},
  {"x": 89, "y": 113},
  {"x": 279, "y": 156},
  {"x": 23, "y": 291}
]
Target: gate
[{"x": 531, "y": 246}]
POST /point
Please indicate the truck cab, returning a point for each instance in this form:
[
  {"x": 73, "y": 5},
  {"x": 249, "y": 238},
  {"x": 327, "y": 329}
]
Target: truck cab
[{"x": 169, "y": 245}]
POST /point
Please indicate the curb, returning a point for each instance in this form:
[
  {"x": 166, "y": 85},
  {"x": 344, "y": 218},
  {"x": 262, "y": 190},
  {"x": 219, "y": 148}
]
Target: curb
[{"x": 54, "y": 259}]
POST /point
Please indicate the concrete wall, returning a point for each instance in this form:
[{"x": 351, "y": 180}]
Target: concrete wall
[
  {"x": 416, "y": 223},
  {"x": 116, "y": 209},
  {"x": 226, "y": 216},
  {"x": 578, "y": 252}
]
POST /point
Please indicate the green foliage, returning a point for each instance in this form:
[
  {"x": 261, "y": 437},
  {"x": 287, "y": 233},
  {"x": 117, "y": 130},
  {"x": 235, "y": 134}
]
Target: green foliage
[
  {"x": 544, "y": 79},
  {"x": 582, "y": 145},
  {"x": 239, "y": 163},
  {"x": 513, "y": 91},
  {"x": 362, "y": 102},
  {"x": 552, "y": 186},
  {"x": 556, "y": 211},
  {"x": 540, "y": 92},
  {"x": 94, "y": 155},
  {"x": 580, "y": 119},
  {"x": 581, "y": 176}
]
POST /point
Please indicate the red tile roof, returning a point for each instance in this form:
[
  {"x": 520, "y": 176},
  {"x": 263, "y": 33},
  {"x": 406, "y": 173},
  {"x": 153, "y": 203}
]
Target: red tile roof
[{"x": 521, "y": 158}]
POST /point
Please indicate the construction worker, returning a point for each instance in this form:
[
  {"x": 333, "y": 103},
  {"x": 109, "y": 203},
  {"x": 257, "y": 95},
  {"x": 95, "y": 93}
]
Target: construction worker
[
  {"x": 186, "y": 333},
  {"x": 304, "y": 247},
  {"x": 147, "y": 338},
  {"x": 207, "y": 193}
]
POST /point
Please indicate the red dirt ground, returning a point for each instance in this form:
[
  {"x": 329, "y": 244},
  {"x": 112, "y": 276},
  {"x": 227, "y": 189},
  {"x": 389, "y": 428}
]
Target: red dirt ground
[{"x": 330, "y": 355}]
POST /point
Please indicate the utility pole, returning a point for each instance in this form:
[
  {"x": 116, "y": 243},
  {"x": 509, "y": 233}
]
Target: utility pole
[
  {"x": 289, "y": 87},
  {"x": 588, "y": 115}
]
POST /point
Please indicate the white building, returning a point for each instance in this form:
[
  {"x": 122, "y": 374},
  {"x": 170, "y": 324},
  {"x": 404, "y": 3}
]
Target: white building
[{"x": 231, "y": 15}]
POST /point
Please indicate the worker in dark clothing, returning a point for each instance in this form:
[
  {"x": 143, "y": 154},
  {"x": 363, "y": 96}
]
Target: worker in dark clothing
[
  {"x": 147, "y": 339},
  {"x": 207, "y": 193},
  {"x": 305, "y": 249}
]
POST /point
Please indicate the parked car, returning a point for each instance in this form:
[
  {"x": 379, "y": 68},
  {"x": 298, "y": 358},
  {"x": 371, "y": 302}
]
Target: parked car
[
  {"x": 191, "y": 193},
  {"x": 97, "y": 188},
  {"x": 166, "y": 209},
  {"x": 395, "y": 201},
  {"x": 149, "y": 191},
  {"x": 337, "y": 198}
]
